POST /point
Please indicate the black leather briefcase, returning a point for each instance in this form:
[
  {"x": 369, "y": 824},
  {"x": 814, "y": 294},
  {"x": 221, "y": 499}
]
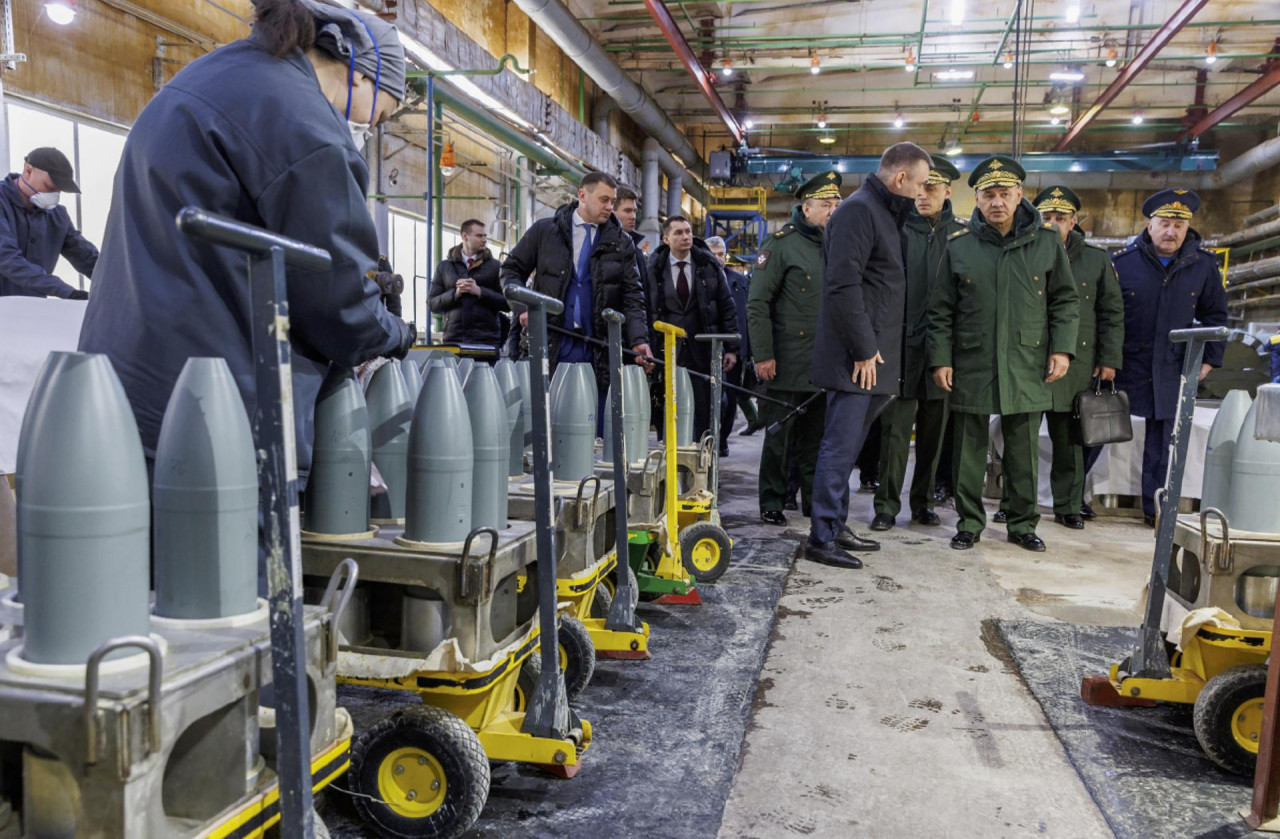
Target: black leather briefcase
[{"x": 1102, "y": 416}]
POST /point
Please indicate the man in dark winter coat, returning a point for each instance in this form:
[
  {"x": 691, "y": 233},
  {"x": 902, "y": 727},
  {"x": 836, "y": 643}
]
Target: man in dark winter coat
[
  {"x": 923, "y": 404},
  {"x": 1168, "y": 281},
  {"x": 35, "y": 231},
  {"x": 466, "y": 290},
  {"x": 582, "y": 256},
  {"x": 691, "y": 293},
  {"x": 857, "y": 354}
]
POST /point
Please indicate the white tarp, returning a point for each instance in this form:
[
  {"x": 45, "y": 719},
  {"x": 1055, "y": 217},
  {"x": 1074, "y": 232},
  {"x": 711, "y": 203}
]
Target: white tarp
[{"x": 30, "y": 329}]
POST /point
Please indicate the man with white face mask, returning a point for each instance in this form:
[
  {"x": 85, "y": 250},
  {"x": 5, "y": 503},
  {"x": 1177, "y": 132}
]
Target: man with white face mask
[{"x": 35, "y": 231}]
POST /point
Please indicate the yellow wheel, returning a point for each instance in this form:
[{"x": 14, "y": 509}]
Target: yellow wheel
[
  {"x": 706, "y": 550},
  {"x": 412, "y": 782},
  {"x": 419, "y": 772},
  {"x": 1228, "y": 717}
]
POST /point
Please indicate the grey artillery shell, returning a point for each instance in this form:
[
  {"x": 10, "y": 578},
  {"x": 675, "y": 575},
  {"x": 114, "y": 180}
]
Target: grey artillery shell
[
  {"x": 412, "y": 379},
  {"x": 1221, "y": 449},
  {"x": 464, "y": 369},
  {"x": 524, "y": 376},
  {"x": 52, "y": 361},
  {"x": 557, "y": 380},
  {"x": 1255, "y": 474},
  {"x": 84, "y": 516},
  {"x": 636, "y": 408},
  {"x": 440, "y": 461},
  {"x": 338, "y": 488},
  {"x": 205, "y": 499},
  {"x": 390, "y": 414},
  {"x": 424, "y": 620},
  {"x": 684, "y": 407},
  {"x": 509, "y": 384},
  {"x": 573, "y": 424},
  {"x": 490, "y": 437}
]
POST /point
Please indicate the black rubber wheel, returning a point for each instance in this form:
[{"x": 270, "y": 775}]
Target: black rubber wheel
[
  {"x": 706, "y": 551},
  {"x": 1228, "y": 717},
  {"x": 577, "y": 656},
  {"x": 420, "y": 772},
  {"x": 602, "y": 602},
  {"x": 527, "y": 681}
]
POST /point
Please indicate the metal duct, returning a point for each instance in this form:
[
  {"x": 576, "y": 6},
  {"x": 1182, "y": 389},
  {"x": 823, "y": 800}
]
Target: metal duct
[
  {"x": 1255, "y": 160},
  {"x": 600, "y": 113},
  {"x": 675, "y": 195},
  {"x": 650, "y": 191}
]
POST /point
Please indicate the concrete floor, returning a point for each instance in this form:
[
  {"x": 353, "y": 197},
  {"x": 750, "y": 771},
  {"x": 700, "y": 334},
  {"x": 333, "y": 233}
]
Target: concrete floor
[{"x": 887, "y": 706}]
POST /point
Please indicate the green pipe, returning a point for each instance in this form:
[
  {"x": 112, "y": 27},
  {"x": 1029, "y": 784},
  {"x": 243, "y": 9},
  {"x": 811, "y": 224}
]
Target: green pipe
[
  {"x": 1186, "y": 59},
  {"x": 747, "y": 91},
  {"x": 1004, "y": 39},
  {"x": 519, "y": 229},
  {"x": 502, "y": 65},
  {"x": 438, "y": 191},
  {"x": 582, "y": 97},
  {"x": 1254, "y": 247}
]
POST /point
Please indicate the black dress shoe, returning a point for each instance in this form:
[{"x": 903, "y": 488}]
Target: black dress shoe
[
  {"x": 926, "y": 517},
  {"x": 724, "y": 451},
  {"x": 1027, "y": 541},
  {"x": 869, "y": 485},
  {"x": 829, "y": 553},
  {"x": 790, "y": 504},
  {"x": 774, "y": 517},
  {"x": 851, "y": 541},
  {"x": 1069, "y": 520},
  {"x": 964, "y": 540},
  {"x": 1086, "y": 512},
  {"x": 752, "y": 428},
  {"x": 1001, "y": 517},
  {"x": 941, "y": 494},
  {"x": 1149, "y": 521},
  {"x": 882, "y": 521}
]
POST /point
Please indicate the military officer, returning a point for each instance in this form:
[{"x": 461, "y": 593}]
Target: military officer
[
  {"x": 922, "y": 402},
  {"x": 1002, "y": 327},
  {"x": 1168, "y": 281},
  {"x": 782, "y": 316},
  {"x": 1099, "y": 342}
]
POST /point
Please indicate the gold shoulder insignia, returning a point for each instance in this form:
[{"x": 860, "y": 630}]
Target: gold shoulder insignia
[
  {"x": 782, "y": 231},
  {"x": 960, "y": 232}
]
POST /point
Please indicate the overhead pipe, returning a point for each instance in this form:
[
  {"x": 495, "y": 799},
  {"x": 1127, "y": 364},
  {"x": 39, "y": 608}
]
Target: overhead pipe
[
  {"x": 1262, "y": 215},
  {"x": 1163, "y": 36},
  {"x": 650, "y": 197},
  {"x": 564, "y": 28},
  {"x": 1260, "y": 87},
  {"x": 675, "y": 195},
  {"x": 1256, "y": 160},
  {"x": 601, "y": 111},
  {"x": 691, "y": 63}
]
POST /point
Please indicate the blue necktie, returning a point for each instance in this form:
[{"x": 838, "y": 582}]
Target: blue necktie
[{"x": 583, "y": 272}]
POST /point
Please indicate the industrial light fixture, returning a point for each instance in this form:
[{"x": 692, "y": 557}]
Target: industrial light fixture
[
  {"x": 953, "y": 151},
  {"x": 898, "y": 121},
  {"x": 448, "y": 161},
  {"x": 726, "y": 66},
  {"x": 1008, "y": 61},
  {"x": 61, "y": 12},
  {"x": 1112, "y": 56},
  {"x": 953, "y": 75},
  {"x": 1137, "y": 118},
  {"x": 822, "y": 120},
  {"x": 1073, "y": 12},
  {"x": 815, "y": 66},
  {"x": 1059, "y": 109},
  {"x": 1055, "y": 120},
  {"x": 826, "y": 139},
  {"x": 749, "y": 123},
  {"x": 1066, "y": 76},
  {"x": 911, "y": 60},
  {"x": 957, "y": 12},
  {"x": 1211, "y": 53}
]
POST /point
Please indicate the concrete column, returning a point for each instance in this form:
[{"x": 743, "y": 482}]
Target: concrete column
[
  {"x": 650, "y": 191},
  {"x": 675, "y": 192}
]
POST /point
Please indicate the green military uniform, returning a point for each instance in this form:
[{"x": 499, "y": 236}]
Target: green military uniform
[
  {"x": 782, "y": 316},
  {"x": 1099, "y": 343},
  {"x": 922, "y": 403},
  {"x": 1004, "y": 303}
]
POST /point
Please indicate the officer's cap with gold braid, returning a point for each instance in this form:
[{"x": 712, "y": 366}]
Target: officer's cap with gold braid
[
  {"x": 1057, "y": 199},
  {"x": 941, "y": 171},
  {"x": 997, "y": 171},
  {"x": 1171, "y": 203},
  {"x": 826, "y": 185}
]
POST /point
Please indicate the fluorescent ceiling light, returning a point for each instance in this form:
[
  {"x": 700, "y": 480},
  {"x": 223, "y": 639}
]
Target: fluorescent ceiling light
[
  {"x": 1055, "y": 121},
  {"x": 826, "y": 139},
  {"x": 953, "y": 75},
  {"x": 1137, "y": 118},
  {"x": 1059, "y": 110},
  {"x": 1067, "y": 76},
  {"x": 898, "y": 121},
  {"x": 434, "y": 62},
  {"x": 60, "y": 12},
  {"x": 749, "y": 124},
  {"x": 1073, "y": 12},
  {"x": 953, "y": 151},
  {"x": 957, "y": 12}
]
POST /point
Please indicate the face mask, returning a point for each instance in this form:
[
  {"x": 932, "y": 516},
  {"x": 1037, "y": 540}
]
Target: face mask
[
  {"x": 43, "y": 200},
  {"x": 360, "y": 132}
]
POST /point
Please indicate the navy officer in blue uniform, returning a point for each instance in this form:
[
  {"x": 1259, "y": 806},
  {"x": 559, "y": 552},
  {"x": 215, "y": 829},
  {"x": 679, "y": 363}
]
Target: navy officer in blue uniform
[{"x": 1169, "y": 281}]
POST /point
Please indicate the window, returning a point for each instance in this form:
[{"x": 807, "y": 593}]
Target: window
[
  {"x": 408, "y": 246},
  {"x": 94, "y": 151}
]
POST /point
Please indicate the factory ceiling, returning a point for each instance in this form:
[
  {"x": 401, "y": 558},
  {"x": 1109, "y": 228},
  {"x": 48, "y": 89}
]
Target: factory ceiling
[{"x": 849, "y": 75}]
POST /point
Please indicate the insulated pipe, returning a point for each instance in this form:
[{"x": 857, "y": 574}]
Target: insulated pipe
[
  {"x": 1257, "y": 159},
  {"x": 650, "y": 190},
  {"x": 675, "y": 184},
  {"x": 601, "y": 111},
  {"x": 563, "y": 26}
]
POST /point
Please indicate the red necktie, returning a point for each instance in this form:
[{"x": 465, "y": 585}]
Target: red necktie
[
  {"x": 470, "y": 261},
  {"x": 682, "y": 284}
]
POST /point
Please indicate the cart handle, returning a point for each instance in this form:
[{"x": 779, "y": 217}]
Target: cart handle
[
  {"x": 723, "y": 337},
  {"x": 517, "y": 293},
  {"x": 91, "y": 678},
  {"x": 581, "y": 514},
  {"x": 1199, "y": 333},
  {"x": 1224, "y": 561},
  {"x": 200, "y": 224},
  {"x": 669, "y": 329},
  {"x": 335, "y": 600},
  {"x": 465, "y": 572}
]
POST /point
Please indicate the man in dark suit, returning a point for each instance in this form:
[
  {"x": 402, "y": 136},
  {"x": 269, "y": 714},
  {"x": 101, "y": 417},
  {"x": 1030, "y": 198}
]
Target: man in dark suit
[
  {"x": 857, "y": 354},
  {"x": 691, "y": 293}
]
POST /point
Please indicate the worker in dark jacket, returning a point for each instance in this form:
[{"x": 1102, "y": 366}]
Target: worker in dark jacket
[
  {"x": 264, "y": 131},
  {"x": 626, "y": 210},
  {"x": 730, "y": 399},
  {"x": 467, "y": 291},
  {"x": 1002, "y": 328},
  {"x": 1098, "y": 353},
  {"x": 857, "y": 354},
  {"x": 922, "y": 404},
  {"x": 692, "y": 294},
  {"x": 1168, "y": 281},
  {"x": 35, "y": 231},
  {"x": 582, "y": 256}
]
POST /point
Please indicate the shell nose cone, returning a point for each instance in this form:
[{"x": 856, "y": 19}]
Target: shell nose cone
[
  {"x": 1216, "y": 488},
  {"x": 84, "y": 514},
  {"x": 390, "y": 415},
  {"x": 205, "y": 498},
  {"x": 509, "y": 384},
  {"x": 441, "y": 459},
  {"x": 412, "y": 378},
  {"x": 338, "y": 488},
  {"x": 573, "y": 424},
  {"x": 1255, "y": 474}
]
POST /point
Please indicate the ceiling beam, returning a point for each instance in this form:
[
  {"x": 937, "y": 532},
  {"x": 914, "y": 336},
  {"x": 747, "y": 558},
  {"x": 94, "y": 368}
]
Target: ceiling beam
[
  {"x": 1158, "y": 41},
  {"x": 1261, "y": 86},
  {"x": 684, "y": 52}
]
